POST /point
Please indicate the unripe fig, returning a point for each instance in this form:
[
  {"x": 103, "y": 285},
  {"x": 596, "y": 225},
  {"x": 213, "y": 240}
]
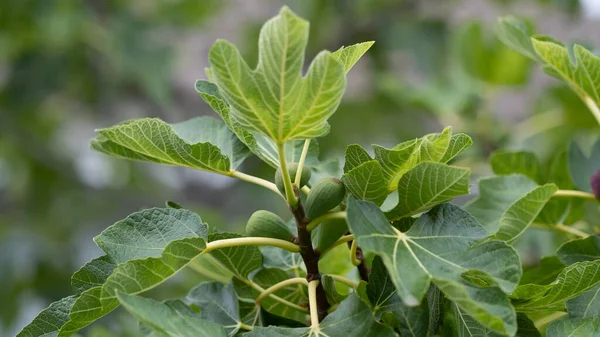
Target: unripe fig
[
  {"x": 267, "y": 225},
  {"x": 327, "y": 233},
  {"x": 325, "y": 195},
  {"x": 292, "y": 169},
  {"x": 595, "y": 183}
]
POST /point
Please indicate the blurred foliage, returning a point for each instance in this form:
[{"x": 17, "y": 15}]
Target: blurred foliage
[{"x": 67, "y": 67}]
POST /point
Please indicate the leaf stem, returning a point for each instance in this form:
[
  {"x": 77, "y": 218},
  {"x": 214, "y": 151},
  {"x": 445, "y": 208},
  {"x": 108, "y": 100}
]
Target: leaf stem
[
  {"x": 289, "y": 189},
  {"x": 301, "y": 162},
  {"x": 327, "y": 216},
  {"x": 343, "y": 239},
  {"x": 542, "y": 322},
  {"x": 353, "y": 258},
  {"x": 593, "y": 107},
  {"x": 251, "y": 241},
  {"x": 344, "y": 280},
  {"x": 312, "y": 300},
  {"x": 255, "y": 180},
  {"x": 305, "y": 189},
  {"x": 574, "y": 194},
  {"x": 280, "y": 285},
  {"x": 273, "y": 296},
  {"x": 245, "y": 326},
  {"x": 562, "y": 228}
]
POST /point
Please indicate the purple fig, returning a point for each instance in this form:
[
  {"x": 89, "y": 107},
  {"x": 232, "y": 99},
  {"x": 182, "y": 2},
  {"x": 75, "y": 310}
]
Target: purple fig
[{"x": 595, "y": 183}]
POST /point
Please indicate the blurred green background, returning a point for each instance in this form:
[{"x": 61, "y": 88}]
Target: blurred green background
[{"x": 70, "y": 66}]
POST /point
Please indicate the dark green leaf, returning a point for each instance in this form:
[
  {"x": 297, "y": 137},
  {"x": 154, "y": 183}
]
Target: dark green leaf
[
  {"x": 218, "y": 303},
  {"x": 582, "y": 166}
]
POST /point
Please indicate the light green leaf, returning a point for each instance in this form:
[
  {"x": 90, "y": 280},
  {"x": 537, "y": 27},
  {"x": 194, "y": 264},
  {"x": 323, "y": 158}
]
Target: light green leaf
[
  {"x": 586, "y": 304},
  {"x": 274, "y": 257},
  {"x": 202, "y": 143},
  {"x": 353, "y": 318},
  {"x": 438, "y": 249},
  {"x": 571, "y": 282},
  {"x": 516, "y": 34},
  {"x": 167, "y": 321},
  {"x": 582, "y": 73},
  {"x": 49, "y": 321},
  {"x": 366, "y": 182},
  {"x": 355, "y": 156},
  {"x": 583, "y": 165},
  {"x": 588, "y": 327},
  {"x": 427, "y": 185},
  {"x": 218, "y": 303},
  {"x": 521, "y": 162},
  {"x": 545, "y": 273},
  {"x": 333, "y": 296},
  {"x": 274, "y": 99},
  {"x": 458, "y": 143},
  {"x": 507, "y": 205},
  {"x": 348, "y": 56}
]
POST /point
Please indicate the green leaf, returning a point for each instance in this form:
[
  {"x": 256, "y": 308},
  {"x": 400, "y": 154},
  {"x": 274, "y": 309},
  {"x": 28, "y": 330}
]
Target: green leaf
[
  {"x": 545, "y": 273},
  {"x": 218, "y": 303},
  {"x": 327, "y": 233},
  {"x": 458, "y": 143},
  {"x": 507, "y": 205},
  {"x": 353, "y": 318},
  {"x": 587, "y": 249},
  {"x": 589, "y": 327},
  {"x": 438, "y": 249},
  {"x": 582, "y": 166},
  {"x": 427, "y": 185},
  {"x": 333, "y": 296},
  {"x": 571, "y": 282},
  {"x": 348, "y": 56},
  {"x": 381, "y": 293},
  {"x": 366, "y": 182},
  {"x": 146, "y": 233},
  {"x": 274, "y": 257},
  {"x": 466, "y": 326},
  {"x": 166, "y": 320},
  {"x": 582, "y": 73},
  {"x": 239, "y": 260},
  {"x": 49, "y": 321},
  {"x": 274, "y": 99},
  {"x": 202, "y": 143},
  {"x": 516, "y": 34},
  {"x": 93, "y": 274},
  {"x": 523, "y": 162},
  {"x": 355, "y": 156},
  {"x": 141, "y": 267},
  {"x": 586, "y": 304}
]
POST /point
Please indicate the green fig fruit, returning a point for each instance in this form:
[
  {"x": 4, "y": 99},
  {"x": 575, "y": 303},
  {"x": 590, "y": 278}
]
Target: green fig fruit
[
  {"x": 327, "y": 233},
  {"x": 325, "y": 195},
  {"x": 292, "y": 169},
  {"x": 267, "y": 225}
]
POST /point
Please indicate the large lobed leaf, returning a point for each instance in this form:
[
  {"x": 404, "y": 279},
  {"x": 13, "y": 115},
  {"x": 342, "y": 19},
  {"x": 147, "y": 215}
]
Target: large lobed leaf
[
  {"x": 274, "y": 99},
  {"x": 439, "y": 249}
]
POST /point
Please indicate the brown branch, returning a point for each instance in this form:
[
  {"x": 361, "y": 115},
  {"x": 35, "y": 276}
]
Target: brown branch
[{"x": 310, "y": 257}]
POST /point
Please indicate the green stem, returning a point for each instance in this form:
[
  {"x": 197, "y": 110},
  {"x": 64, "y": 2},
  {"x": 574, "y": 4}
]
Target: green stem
[
  {"x": 593, "y": 107},
  {"x": 344, "y": 280},
  {"x": 574, "y": 194},
  {"x": 273, "y": 296},
  {"x": 305, "y": 189},
  {"x": 255, "y": 180},
  {"x": 245, "y": 326},
  {"x": 280, "y": 285},
  {"x": 353, "y": 258},
  {"x": 327, "y": 216},
  {"x": 312, "y": 300},
  {"x": 289, "y": 189},
  {"x": 301, "y": 162},
  {"x": 343, "y": 239},
  {"x": 542, "y": 322},
  {"x": 562, "y": 228},
  {"x": 252, "y": 241}
]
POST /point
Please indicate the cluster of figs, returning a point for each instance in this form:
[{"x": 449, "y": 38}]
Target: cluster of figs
[{"x": 324, "y": 196}]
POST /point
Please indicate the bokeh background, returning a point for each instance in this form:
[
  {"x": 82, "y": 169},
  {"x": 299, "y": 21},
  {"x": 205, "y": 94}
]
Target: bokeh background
[{"x": 70, "y": 66}]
